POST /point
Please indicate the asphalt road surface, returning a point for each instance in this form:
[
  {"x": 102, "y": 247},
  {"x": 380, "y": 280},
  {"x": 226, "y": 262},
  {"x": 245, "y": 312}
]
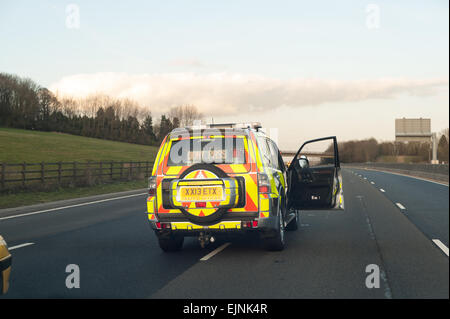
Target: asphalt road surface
[{"x": 402, "y": 229}]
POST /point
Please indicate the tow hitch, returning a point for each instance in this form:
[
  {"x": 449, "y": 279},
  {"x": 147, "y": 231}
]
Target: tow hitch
[{"x": 205, "y": 239}]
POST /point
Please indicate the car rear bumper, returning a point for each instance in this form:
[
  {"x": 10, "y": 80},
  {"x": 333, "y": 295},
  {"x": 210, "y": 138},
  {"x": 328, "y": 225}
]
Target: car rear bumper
[{"x": 186, "y": 228}]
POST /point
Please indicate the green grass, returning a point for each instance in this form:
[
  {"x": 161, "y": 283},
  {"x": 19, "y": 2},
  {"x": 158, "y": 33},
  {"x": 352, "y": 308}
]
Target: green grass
[
  {"x": 30, "y": 198},
  {"x": 18, "y": 146}
]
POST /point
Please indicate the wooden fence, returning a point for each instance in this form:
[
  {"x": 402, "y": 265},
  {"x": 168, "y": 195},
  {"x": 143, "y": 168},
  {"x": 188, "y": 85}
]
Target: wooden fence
[{"x": 24, "y": 175}]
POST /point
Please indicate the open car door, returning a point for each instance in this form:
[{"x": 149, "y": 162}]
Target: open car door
[{"x": 314, "y": 176}]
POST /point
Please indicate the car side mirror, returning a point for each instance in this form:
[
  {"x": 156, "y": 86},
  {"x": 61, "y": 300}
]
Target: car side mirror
[{"x": 303, "y": 162}]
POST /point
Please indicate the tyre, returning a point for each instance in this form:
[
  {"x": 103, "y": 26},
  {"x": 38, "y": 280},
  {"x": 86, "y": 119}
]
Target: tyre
[
  {"x": 170, "y": 243},
  {"x": 276, "y": 243},
  {"x": 293, "y": 224}
]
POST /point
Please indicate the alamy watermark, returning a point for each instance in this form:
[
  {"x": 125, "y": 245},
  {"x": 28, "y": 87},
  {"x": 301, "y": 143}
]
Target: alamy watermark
[
  {"x": 72, "y": 16},
  {"x": 213, "y": 146},
  {"x": 373, "y": 16},
  {"x": 73, "y": 279},
  {"x": 373, "y": 279}
]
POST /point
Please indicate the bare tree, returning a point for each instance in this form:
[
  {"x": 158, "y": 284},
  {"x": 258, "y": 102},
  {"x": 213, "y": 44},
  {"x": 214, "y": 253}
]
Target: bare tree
[{"x": 186, "y": 114}]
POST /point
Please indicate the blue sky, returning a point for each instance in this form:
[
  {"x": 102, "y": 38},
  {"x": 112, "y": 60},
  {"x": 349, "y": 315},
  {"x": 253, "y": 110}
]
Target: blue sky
[{"x": 275, "y": 40}]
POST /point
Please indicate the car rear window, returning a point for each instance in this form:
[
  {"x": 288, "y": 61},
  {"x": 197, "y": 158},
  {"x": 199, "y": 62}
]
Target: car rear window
[{"x": 216, "y": 150}]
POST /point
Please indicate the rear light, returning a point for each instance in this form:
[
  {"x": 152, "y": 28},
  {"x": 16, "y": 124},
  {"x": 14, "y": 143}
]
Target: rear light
[
  {"x": 200, "y": 204},
  {"x": 160, "y": 225},
  {"x": 152, "y": 186},
  {"x": 165, "y": 225},
  {"x": 263, "y": 189},
  {"x": 250, "y": 224},
  {"x": 263, "y": 183}
]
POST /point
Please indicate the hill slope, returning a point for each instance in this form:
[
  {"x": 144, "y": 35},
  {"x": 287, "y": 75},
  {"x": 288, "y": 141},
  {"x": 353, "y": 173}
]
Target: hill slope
[{"x": 17, "y": 146}]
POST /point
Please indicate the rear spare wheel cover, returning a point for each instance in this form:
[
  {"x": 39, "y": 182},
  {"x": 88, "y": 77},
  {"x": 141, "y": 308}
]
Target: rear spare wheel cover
[{"x": 207, "y": 216}]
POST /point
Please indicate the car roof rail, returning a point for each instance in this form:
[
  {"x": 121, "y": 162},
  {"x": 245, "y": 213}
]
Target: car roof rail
[
  {"x": 240, "y": 126},
  {"x": 250, "y": 125}
]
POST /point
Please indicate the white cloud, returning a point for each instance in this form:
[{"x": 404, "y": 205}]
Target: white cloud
[{"x": 221, "y": 93}]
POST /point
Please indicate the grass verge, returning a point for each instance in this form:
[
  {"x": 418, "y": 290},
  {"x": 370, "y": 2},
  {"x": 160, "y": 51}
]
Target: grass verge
[
  {"x": 18, "y": 146},
  {"x": 29, "y": 198}
]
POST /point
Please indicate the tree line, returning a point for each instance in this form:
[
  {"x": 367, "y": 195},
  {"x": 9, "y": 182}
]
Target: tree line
[
  {"x": 370, "y": 150},
  {"x": 25, "y": 104}
]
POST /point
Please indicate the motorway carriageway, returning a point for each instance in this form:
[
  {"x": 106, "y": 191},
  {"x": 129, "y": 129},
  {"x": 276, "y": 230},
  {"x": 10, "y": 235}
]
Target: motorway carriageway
[{"x": 396, "y": 222}]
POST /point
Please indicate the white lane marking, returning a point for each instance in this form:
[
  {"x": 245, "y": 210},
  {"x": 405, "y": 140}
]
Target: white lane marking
[
  {"x": 441, "y": 246},
  {"x": 20, "y": 246},
  {"x": 215, "y": 251},
  {"x": 365, "y": 177},
  {"x": 382, "y": 190},
  {"x": 372, "y": 183},
  {"x": 400, "y": 206},
  {"x": 422, "y": 179},
  {"x": 71, "y": 206}
]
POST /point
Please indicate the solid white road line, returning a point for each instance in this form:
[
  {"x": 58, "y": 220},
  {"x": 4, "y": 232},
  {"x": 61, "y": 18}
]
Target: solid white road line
[
  {"x": 20, "y": 246},
  {"x": 71, "y": 206},
  {"x": 382, "y": 190},
  {"x": 400, "y": 206},
  {"x": 215, "y": 251},
  {"x": 415, "y": 177},
  {"x": 441, "y": 246}
]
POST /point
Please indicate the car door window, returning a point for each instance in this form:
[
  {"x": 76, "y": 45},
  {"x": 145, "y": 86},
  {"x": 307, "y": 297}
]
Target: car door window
[
  {"x": 264, "y": 151},
  {"x": 275, "y": 155},
  {"x": 315, "y": 179}
]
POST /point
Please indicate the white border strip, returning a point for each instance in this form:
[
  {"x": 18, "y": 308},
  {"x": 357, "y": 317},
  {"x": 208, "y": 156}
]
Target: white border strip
[
  {"x": 71, "y": 206},
  {"x": 441, "y": 246},
  {"x": 215, "y": 252},
  {"x": 400, "y": 206},
  {"x": 20, "y": 246}
]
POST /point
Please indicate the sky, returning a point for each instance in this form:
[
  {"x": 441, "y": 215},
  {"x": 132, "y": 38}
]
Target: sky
[{"x": 304, "y": 69}]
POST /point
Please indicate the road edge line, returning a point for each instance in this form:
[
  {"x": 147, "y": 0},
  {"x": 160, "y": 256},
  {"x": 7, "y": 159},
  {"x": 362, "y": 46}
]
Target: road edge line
[{"x": 70, "y": 206}]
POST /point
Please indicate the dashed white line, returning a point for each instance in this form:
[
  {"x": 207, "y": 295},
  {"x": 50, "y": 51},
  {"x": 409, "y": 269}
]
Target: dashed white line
[
  {"x": 71, "y": 206},
  {"x": 365, "y": 177},
  {"x": 20, "y": 246},
  {"x": 400, "y": 206},
  {"x": 215, "y": 251},
  {"x": 372, "y": 183},
  {"x": 382, "y": 190},
  {"x": 441, "y": 246}
]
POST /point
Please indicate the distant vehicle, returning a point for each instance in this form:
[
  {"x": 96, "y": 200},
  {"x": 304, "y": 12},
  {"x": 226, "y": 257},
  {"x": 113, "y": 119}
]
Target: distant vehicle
[
  {"x": 223, "y": 178},
  {"x": 5, "y": 266}
]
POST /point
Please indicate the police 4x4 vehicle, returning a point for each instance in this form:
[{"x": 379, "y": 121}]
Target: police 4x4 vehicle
[{"x": 232, "y": 178}]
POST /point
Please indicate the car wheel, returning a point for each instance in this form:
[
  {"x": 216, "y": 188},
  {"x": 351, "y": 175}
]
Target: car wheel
[
  {"x": 276, "y": 243},
  {"x": 170, "y": 243},
  {"x": 293, "y": 224}
]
